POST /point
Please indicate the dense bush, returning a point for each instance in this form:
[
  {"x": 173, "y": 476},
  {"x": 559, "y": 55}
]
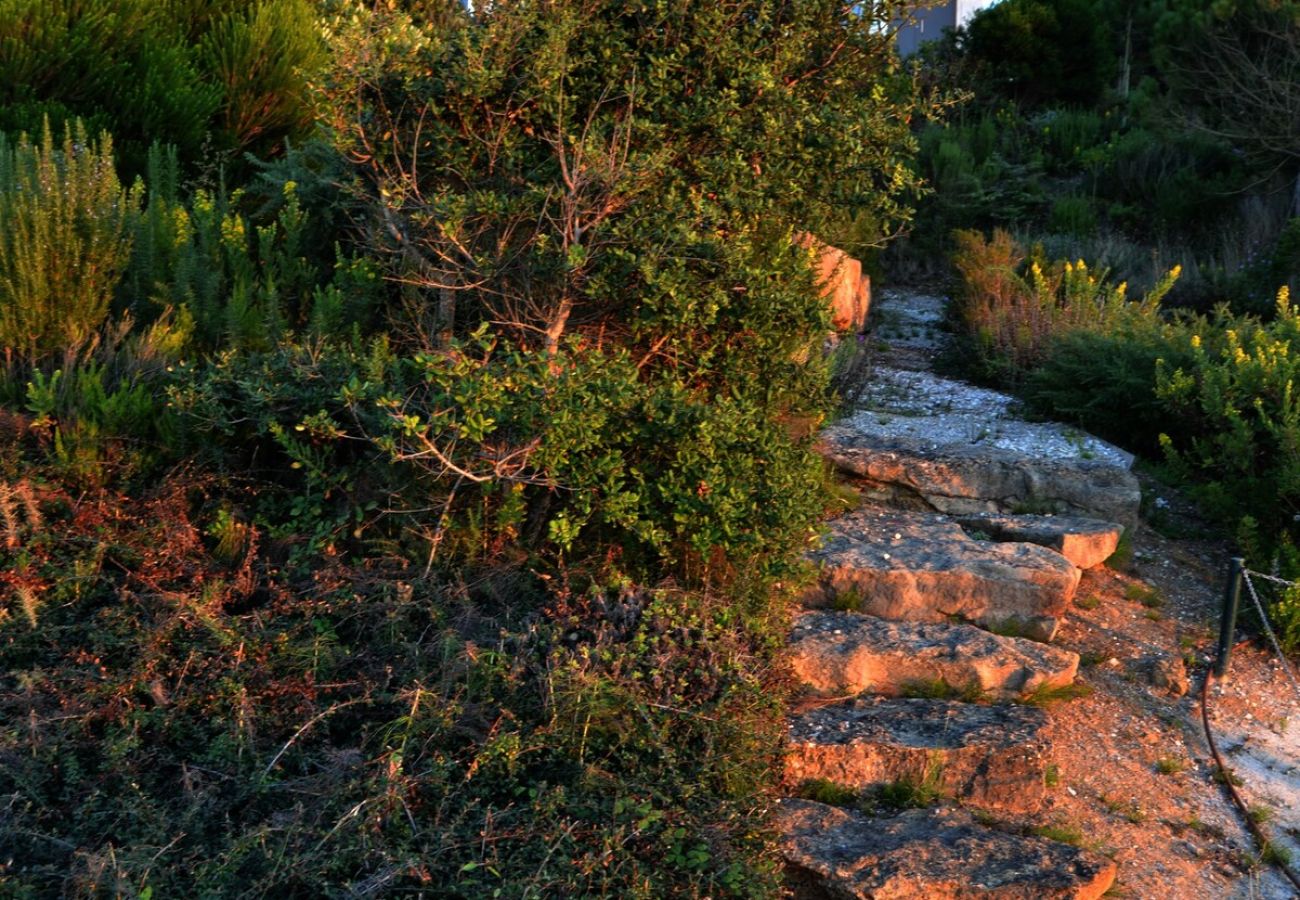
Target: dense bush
[
  {"x": 204, "y": 76},
  {"x": 1238, "y": 420},
  {"x": 1015, "y": 312},
  {"x": 1041, "y": 52},
  {"x": 198, "y": 725}
]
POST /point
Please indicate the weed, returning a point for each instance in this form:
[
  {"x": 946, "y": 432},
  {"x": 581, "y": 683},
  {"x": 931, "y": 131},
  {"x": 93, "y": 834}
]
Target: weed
[
  {"x": 823, "y": 790},
  {"x": 1090, "y": 658},
  {"x": 910, "y": 792},
  {"x": 1153, "y": 615},
  {"x": 848, "y": 599},
  {"x": 1052, "y": 775},
  {"x": 940, "y": 689},
  {"x": 1275, "y": 854},
  {"x": 1129, "y": 811},
  {"x": 1047, "y": 695},
  {"x": 1092, "y": 601},
  {"x": 1122, "y": 559},
  {"x": 1260, "y": 814},
  {"x": 1012, "y": 627},
  {"x": 907, "y": 793},
  {"x": 1170, "y": 765},
  {"x": 1227, "y": 776},
  {"x": 1062, "y": 833},
  {"x": 1144, "y": 594},
  {"x": 1035, "y": 506}
]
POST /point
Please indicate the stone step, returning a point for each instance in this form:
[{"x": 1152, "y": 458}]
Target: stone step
[
  {"x": 928, "y": 854},
  {"x": 992, "y": 757},
  {"x": 955, "y": 448},
  {"x": 1084, "y": 542},
  {"x": 924, "y": 568},
  {"x": 843, "y": 654}
]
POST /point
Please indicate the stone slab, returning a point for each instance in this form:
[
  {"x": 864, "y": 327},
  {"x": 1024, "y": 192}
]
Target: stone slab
[
  {"x": 991, "y": 757},
  {"x": 929, "y": 854},
  {"x": 924, "y": 568},
  {"x": 961, "y": 480},
  {"x": 1084, "y": 542},
  {"x": 843, "y": 654}
]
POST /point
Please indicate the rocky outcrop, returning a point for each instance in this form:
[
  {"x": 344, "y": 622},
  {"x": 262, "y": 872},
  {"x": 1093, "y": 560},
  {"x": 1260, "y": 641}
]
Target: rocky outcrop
[
  {"x": 992, "y": 757},
  {"x": 1084, "y": 542},
  {"x": 924, "y": 568},
  {"x": 843, "y": 654},
  {"x": 929, "y": 854},
  {"x": 843, "y": 285}
]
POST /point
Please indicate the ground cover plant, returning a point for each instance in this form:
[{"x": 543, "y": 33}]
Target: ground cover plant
[{"x": 412, "y": 507}]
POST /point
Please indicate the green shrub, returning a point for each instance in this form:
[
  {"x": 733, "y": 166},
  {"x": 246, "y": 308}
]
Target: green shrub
[
  {"x": 261, "y": 56},
  {"x": 1106, "y": 382},
  {"x": 201, "y": 76},
  {"x": 243, "y": 278},
  {"x": 623, "y": 746},
  {"x": 1041, "y": 51},
  {"x": 1237, "y": 418},
  {"x": 66, "y": 240},
  {"x": 1073, "y": 215},
  {"x": 1014, "y": 314}
]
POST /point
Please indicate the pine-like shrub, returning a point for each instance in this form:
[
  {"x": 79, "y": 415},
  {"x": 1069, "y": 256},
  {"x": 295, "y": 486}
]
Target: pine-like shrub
[
  {"x": 261, "y": 57},
  {"x": 206, "y": 77},
  {"x": 65, "y": 241}
]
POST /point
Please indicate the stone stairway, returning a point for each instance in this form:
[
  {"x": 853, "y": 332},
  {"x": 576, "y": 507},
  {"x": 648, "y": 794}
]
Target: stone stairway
[{"x": 973, "y": 522}]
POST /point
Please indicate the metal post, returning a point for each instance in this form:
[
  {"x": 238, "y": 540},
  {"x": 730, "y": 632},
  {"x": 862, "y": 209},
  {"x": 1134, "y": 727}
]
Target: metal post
[{"x": 1231, "y": 599}]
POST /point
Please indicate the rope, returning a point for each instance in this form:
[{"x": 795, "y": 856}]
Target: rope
[
  {"x": 1266, "y": 577},
  {"x": 1240, "y": 803},
  {"x": 1268, "y": 628}
]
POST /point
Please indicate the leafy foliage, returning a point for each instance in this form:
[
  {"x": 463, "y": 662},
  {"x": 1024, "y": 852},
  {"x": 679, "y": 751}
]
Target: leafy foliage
[
  {"x": 615, "y": 748},
  {"x": 1239, "y": 423},
  {"x": 1041, "y": 52},
  {"x": 465, "y": 583}
]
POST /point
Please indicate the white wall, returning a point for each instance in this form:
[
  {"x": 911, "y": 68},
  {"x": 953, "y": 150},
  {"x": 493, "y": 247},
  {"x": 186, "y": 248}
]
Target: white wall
[{"x": 968, "y": 8}]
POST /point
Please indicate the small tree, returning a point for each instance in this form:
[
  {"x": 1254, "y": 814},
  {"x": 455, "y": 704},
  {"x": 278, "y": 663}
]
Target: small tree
[
  {"x": 593, "y": 163},
  {"x": 1234, "y": 70}
]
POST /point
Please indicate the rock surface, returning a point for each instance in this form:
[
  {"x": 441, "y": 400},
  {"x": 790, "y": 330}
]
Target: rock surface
[
  {"x": 992, "y": 757},
  {"x": 938, "y": 411},
  {"x": 843, "y": 285},
  {"x": 1084, "y": 542},
  {"x": 924, "y": 568},
  {"x": 929, "y": 854},
  {"x": 957, "y": 479},
  {"x": 842, "y": 654}
]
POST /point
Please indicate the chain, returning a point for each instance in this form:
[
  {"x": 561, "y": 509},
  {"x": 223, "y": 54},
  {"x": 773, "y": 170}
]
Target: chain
[{"x": 1268, "y": 628}]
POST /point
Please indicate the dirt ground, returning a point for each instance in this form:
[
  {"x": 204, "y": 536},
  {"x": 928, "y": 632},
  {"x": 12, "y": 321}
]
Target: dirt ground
[{"x": 1135, "y": 771}]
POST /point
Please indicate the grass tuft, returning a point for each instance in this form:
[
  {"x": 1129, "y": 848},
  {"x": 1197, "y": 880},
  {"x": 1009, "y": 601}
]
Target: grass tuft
[{"x": 1048, "y": 695}]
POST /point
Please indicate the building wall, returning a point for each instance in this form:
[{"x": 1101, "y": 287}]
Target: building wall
[{"x": 931, "y": 22}]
